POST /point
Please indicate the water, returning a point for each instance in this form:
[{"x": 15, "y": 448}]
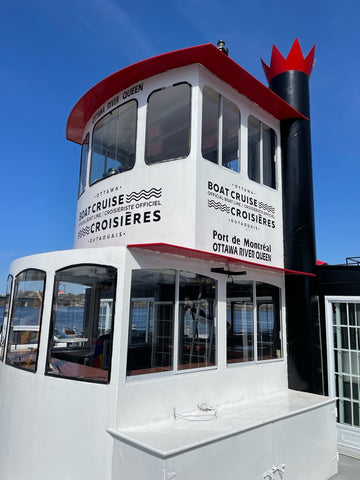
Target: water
[{"x": 70, "y": 317}]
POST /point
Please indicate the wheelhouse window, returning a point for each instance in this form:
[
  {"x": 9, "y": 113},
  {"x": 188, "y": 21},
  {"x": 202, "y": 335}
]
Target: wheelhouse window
[
  {"x": 168, "y": 124},
  {"x": 114, "y": 142},
  {"x": 253, "y": 322},
  {"x": 5, "y": 317},
  {"x": 220, "y": 130},
  {"x": 172, "y": 322},
  {"x": 83, "y": 165},
  {"x": 261, "y": 153},
  {"x": 25, "y": 320},
  {"x": 81, "y": 327}
]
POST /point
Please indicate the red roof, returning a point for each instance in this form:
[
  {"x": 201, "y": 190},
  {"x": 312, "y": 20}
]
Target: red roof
[{"x": 207, "y": 55}]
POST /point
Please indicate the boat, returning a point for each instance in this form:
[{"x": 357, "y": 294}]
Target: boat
[{"x": 166, "y": 343}]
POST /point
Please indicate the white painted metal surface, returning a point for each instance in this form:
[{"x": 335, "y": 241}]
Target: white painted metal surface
[
  {"x": 190, "y": 201},
  {"x": 343, "y": 368},
  {"x": 127, "y": 427}
]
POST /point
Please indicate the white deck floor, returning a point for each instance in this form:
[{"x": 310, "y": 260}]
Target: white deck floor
[{"x": 349, "y": 469}]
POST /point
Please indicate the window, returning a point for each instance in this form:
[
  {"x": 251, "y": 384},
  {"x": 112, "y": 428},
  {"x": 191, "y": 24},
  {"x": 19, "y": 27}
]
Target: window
[
  {"x": 25, "y": 320},
  {"x": 253, "y": 322},
  {"x": 169, "y": 322},
  {"x": 151, "y": 334},
  {"x": 268, "y": 321},
  {"x": 220, "y": 130},
  {"x": 83, "y": 165},
  {"x": 5, "y": 317},
  {"x": 81, "y": 327},
  {"x": 114, "y": 141},
  {"x": 168, "y": 124},
  {"x": 240, "y": 322},
  {"x": 197, "y": 321},
  {"x": 261, "y": 153}
]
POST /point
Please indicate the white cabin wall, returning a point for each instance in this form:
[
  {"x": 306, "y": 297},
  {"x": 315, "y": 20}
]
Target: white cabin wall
[
  {"x": 38, "y": 412},
  {"x": 151, "y": 397}
]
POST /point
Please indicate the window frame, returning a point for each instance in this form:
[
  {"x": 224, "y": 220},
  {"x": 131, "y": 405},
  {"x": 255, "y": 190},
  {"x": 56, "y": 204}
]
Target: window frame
[
  {"x": 263, "y": 162},
  {"x": 52, "y": 323},
  {"x": 220, "y": 130},
  {"x": 84, "y": 157},
  {"x": 189, "y": 125},
  {"x": 175, "y": 368},
  {"x": 6, "y": 317},
  {"x": 40, "y": 318},
  {"x": 92, "y": 150},
  {"x": 278, "y": 317}
]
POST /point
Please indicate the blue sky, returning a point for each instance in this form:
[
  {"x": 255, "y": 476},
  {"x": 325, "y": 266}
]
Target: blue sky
[{"x": 53, "y": 51}]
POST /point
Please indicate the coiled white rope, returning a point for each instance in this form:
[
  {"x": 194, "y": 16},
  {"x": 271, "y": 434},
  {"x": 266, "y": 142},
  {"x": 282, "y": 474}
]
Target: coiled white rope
[{"x": 207, "y": 412}]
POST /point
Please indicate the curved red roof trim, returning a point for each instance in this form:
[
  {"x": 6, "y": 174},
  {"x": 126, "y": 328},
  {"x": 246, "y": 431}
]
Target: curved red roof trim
[
  {"x": 294, "y": 61},
  {"x": 207, "y": 55}
]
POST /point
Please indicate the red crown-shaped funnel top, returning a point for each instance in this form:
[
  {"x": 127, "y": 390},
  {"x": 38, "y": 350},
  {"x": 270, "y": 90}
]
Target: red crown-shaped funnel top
[{"x": 294, "y": 61}]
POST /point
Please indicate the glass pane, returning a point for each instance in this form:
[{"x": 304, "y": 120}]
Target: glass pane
[
  {"x": 268, "y": 321},
  {"x": 351, "y": 313},
  {"x": 341, "y": 338},
  {"x": 114, "y": 140},
  {"x": 343, "y": 359},
  {"x": 347, "y": 412},
  {"x": 356, "y": 414},
  {"x": 230, "y": 145},
  {"x": 354, "y": 356},
  {"x": 269, "y": 146},
  {"x": 343, "y": 314},
  {"x": 354, "y": 338},
  {"x": 151, "y": 326},
  {"x": 254, "y": 135},
  {"x": 22, "y": 349},
  {"x": 240, "y": 322},
  {"x": 357, "y": 314},
  {"x": 197, "y": 336},
  {"x": 82, "y": 323},
  {"x": 5, "y": 316},
  {"x": 168, "y": 124},
  {"x": 210, "y": 122},
  {"x": 83, "y": 165}
]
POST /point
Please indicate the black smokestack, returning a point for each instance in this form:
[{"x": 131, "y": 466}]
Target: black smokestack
[{"x": 289, "y": 78}]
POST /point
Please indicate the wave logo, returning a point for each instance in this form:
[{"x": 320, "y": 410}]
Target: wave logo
[
  {"x": 218, "y": 206},
  {"x": 266, "y": 207},
  {"x": 144, "y": 195}
]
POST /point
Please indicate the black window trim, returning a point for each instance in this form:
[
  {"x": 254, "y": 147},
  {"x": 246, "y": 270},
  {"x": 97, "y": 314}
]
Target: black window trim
[
  {"x": 150, "y": 164},
  {"x": 220, "y": 131},
  {"x": 5, "y": 340},
  {"x": 14, "y": 293},
  {"x": 174, "y": 371},
  {"x": 50, "y": 332},
  {"x": 261, "y": 160},
  {"x": 91, "y": 140}
]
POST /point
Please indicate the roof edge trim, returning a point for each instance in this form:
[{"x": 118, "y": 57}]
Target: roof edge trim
[
  {"x": 207, "y": 55},
  {"x": 212, "y": 257}
]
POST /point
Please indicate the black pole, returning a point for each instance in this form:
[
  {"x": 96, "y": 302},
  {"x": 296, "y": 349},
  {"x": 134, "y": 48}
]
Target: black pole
[{"x": 302, "y": 317}]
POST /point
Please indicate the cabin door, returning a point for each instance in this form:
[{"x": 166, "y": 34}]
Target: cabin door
[{"x": 343, "y": 351}]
